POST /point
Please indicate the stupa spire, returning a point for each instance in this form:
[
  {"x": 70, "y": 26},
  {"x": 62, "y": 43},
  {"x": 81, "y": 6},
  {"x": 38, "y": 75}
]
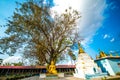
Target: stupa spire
[
  {"x": 80, "y": 49},
  {"x": 111, "y": 55}
]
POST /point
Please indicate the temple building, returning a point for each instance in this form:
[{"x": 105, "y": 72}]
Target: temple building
[
  {"x": 85, "y": 65},
  {"x": 108, "y": 63}
]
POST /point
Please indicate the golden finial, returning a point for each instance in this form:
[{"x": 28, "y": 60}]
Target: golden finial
[
  {"x": 117, "y": 55},
  {"x": 102, "y": 54},
  {"x": 111, "y": 55},
  {"x": 97, "y": 57},
  {"x": 80, "y": 48}
]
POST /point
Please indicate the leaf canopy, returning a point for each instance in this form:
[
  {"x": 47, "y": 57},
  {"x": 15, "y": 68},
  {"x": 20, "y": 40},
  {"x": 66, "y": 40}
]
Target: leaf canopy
[{"x": 41, "y": 36}]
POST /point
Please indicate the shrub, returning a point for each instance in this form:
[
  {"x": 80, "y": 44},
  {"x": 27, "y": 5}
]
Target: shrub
[{"x": 118, "y": 73}]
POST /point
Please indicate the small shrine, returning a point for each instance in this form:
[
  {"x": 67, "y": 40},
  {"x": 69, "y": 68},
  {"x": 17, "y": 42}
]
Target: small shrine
[
  {"x": 85, "y": 65},
  {"x": 108, "y": 63}
]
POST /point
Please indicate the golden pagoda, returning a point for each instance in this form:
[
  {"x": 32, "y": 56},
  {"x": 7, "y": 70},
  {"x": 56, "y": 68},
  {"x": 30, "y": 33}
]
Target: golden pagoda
[{"x": 84, "y": 64}]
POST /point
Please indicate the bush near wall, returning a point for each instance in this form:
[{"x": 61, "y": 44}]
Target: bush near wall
[{"x": 118, "y": 73}]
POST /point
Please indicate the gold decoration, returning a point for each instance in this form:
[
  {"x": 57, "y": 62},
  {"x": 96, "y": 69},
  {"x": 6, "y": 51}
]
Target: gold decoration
[
  {"x": 117, "y": 55},
  {"x": 84, "y": 68},
  {"x": 102, "y": 54},
  {"x": 111, "y": 55},
  {"x": 83, "y": 63},
  {"x": 97, "y": 57},
  {"x": 81, "y": 50}
]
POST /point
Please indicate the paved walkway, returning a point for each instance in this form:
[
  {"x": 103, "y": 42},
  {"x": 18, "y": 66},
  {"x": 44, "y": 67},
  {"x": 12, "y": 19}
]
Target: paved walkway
[
  {"x": 32, "y": 78},
  {"x": 65, "y": 78}
]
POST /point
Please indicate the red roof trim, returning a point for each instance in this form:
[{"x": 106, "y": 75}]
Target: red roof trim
[
  {"x": 34, "y": 67},
  {"x": 17, "y": 67}
]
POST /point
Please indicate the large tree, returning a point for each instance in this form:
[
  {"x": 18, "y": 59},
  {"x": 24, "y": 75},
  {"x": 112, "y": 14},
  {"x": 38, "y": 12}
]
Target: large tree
[{"x": 41, "y": 36}]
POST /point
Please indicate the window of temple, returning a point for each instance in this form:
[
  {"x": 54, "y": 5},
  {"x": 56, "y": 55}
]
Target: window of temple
[{"x": 119, "y": 64}]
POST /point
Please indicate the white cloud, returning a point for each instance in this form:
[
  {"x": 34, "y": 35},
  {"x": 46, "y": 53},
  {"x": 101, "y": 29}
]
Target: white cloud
[
  {"x": 75, "y": 51},
  {"x": 12, "y": 59},
  {"x": 91, "y": 12},
  {"x": 112, "y": 40},
  {"x": 111, "y": 51},
  {"x": 106, "y": 36},
  {"x": 16, "y": 59},
  {"x": 70, "y": 62}
]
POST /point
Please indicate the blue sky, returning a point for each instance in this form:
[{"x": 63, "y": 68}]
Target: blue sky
[
  {"x": 107, "y": 38},
  {"x": 99, "y": 25}
]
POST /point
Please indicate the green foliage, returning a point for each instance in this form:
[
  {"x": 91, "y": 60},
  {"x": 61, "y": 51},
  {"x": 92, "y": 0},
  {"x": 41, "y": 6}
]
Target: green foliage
[
  {"x": 18, "y": 64},
  {"x": 72, "y": 55},
  {"x": 14, "y": 64},
  {"x": 1, "y": 61},
  {"x": 42, "y": 37},
  {"x": 118, "y": 73},
  {"x": 7, "y": 64}
]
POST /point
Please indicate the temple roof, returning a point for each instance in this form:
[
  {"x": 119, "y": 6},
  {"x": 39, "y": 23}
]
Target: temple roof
[
  {"x": 103, "y": 55},
  {"x": 108, "y": 57}
]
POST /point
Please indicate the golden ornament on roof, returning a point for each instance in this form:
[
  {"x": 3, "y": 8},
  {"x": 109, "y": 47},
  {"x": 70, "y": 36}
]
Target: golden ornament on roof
[{"x": 102, "y": 54}]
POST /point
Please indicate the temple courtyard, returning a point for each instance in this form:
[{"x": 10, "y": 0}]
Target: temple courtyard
[
  {"x": 73, "y": 78},
  {"x": 64, "y": 78}
]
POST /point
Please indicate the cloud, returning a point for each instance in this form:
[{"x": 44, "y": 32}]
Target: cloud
[
  {"x": 12, "y": 59},
  {"x": 111, "y": 51},
  {"x": 16, "y": 59},
  {"x": 113, "y": 5},
  {"x": 112, "y": 40},
  {"x": 106, "y": 36},
  {"x": 91, "y": 12}
]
